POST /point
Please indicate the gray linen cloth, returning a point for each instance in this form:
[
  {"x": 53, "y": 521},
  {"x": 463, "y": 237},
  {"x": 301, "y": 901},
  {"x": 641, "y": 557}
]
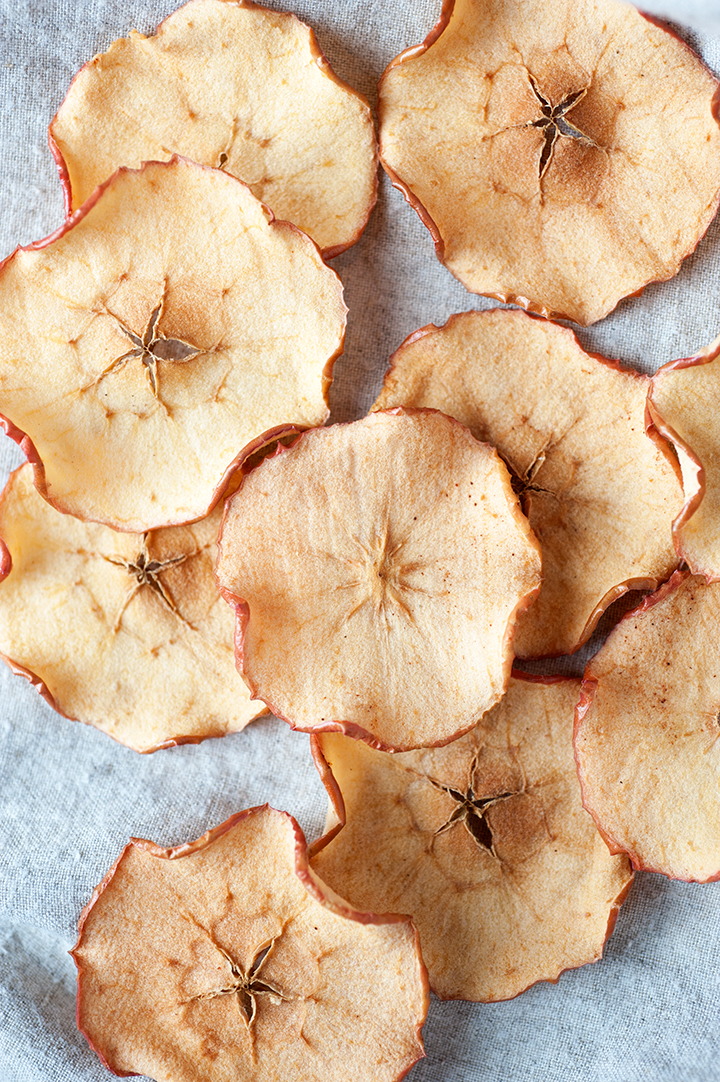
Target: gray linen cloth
[{"x": 70, "y": 797}]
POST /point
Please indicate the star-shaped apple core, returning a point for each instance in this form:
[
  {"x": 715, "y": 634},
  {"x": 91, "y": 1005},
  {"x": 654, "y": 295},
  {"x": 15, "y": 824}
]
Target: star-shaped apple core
[
  {"x": 554, "y": 124},
  {"x": 147, "y": 572},
  {"x": 152, "y": 346},
  {"x": 470, "y": 809},
  {"x": 383, "y": 574},
  {"x": 246, "y": 985}
]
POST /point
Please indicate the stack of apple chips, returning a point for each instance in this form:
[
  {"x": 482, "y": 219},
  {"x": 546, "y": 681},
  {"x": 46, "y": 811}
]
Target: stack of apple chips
[{"x": 378, "y": 579}]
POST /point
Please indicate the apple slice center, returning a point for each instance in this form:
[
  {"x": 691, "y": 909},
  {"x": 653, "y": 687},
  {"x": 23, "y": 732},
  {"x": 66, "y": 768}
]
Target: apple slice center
[{"x": 246, "y": 984}]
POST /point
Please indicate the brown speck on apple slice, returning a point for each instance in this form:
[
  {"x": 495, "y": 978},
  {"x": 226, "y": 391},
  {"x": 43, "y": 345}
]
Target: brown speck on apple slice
[
  {"x": 647, "y": 735},
  {"x": 126, "y": 632},
  {"x": 227, "y": 960},
  {"x": 237, "y": 87},
  {"x": 683, "y": 404},
  {"x": 484, "y": 842},
  {"x": 547, "y": 146},
  {"x": 599, "y": 494},
  {"x": 377, "y": 570},
  {"x": 149, "y": 342}
]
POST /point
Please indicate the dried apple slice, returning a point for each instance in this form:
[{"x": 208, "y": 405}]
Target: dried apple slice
[
  {"x": 148, "y": 342},
  {"x": 646, "y": 738},
  {"x": 483, "y": 842},
  {"x": 235, "y": 86},
  {"x": 683, "y": 406},
  {"x": 598, "y": 493},
  {"x": 548, "y": 146},
  {"x": 125, "y": 632},
  {"x": 377, "y": 569},
  {"x": 227, "y": 960}
]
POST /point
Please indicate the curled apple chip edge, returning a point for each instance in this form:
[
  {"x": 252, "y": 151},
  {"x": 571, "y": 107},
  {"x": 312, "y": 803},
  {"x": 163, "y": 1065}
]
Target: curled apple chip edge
[
  {"x": 499, "y": 945},
  {"x": 669, "y": 415},
  {"x": 493, "y": 372},
  {"x": 388, "y": 1001},
  {"x": 625, "y": 733},
  {"x": 324, "y": 216},
  {"x": 582, "y": 313},
  {"x": 69, "y": 593},
  {"x": 332, "y": 310},
  {"x": 257, "y": 638}
]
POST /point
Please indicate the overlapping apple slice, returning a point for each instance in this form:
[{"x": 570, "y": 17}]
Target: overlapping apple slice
[
  {"x": 377, "y": 569},
  {"x": 147, "y": 343},
  {"x": 227, "y": 960},
  {"x": 598, "y": 493},
  {"x": 547, "y": 146},
  {"x": 647, "y": 731},
  {"x": 125, "y": 632},
  {"x": 483, "y": 842},
  {"x": 235, "y": 86},
  {"x": 683, "y": 405}
]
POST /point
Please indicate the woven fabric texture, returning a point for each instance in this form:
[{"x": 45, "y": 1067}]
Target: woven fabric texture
[{"x": 70, "y": 797}]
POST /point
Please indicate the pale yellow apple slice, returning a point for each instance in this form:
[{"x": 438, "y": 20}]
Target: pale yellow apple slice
[
  {"x": 227, "y": 960},
  {"x": 647, "y": 732},
  {"x": 598, "y": 493},
  {"x": 683, "y": 405},
  {"x": 231, "y": 85},
  {"x": 562, "y": 155},
  {"x": 377, "y": 569},
  {"x": 152, "y": 339},
  {"x": 483, "y": 842},
  {"x": 126, "y": 632}
]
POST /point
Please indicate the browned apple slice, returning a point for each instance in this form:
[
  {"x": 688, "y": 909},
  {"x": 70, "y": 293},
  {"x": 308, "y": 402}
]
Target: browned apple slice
[
  {"x": 126, "y": 632},
  {"x": 235, "y": 86},
  {"x": 227, "y": 960},
  {"x": 548, "y": 147},
  {"x": 683, "y": 405},
  {"x": 483, "y": 842},
  {"x": 377, "y": 569},
  {"x": 647, "y": 730},
  {"x": 599, "y": 494},
  {"x": 147, "y": 343}
]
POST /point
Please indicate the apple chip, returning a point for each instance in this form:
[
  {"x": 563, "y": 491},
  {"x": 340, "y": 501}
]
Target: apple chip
[
  {"x": 377, "y": 569},
  {"x": 647, "y": 730},
  {"x": 125, "y": 632},
  {"x": 598, "y": 493},
  {"x": 683, "y": 405},
  {"x": 483, "y": 842},
  {"x": 226, "y": 960},
  {"x": 152, "y": 339},
  {"x": 236, "y": 86},
  {"x": 562, "y": 155}
]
